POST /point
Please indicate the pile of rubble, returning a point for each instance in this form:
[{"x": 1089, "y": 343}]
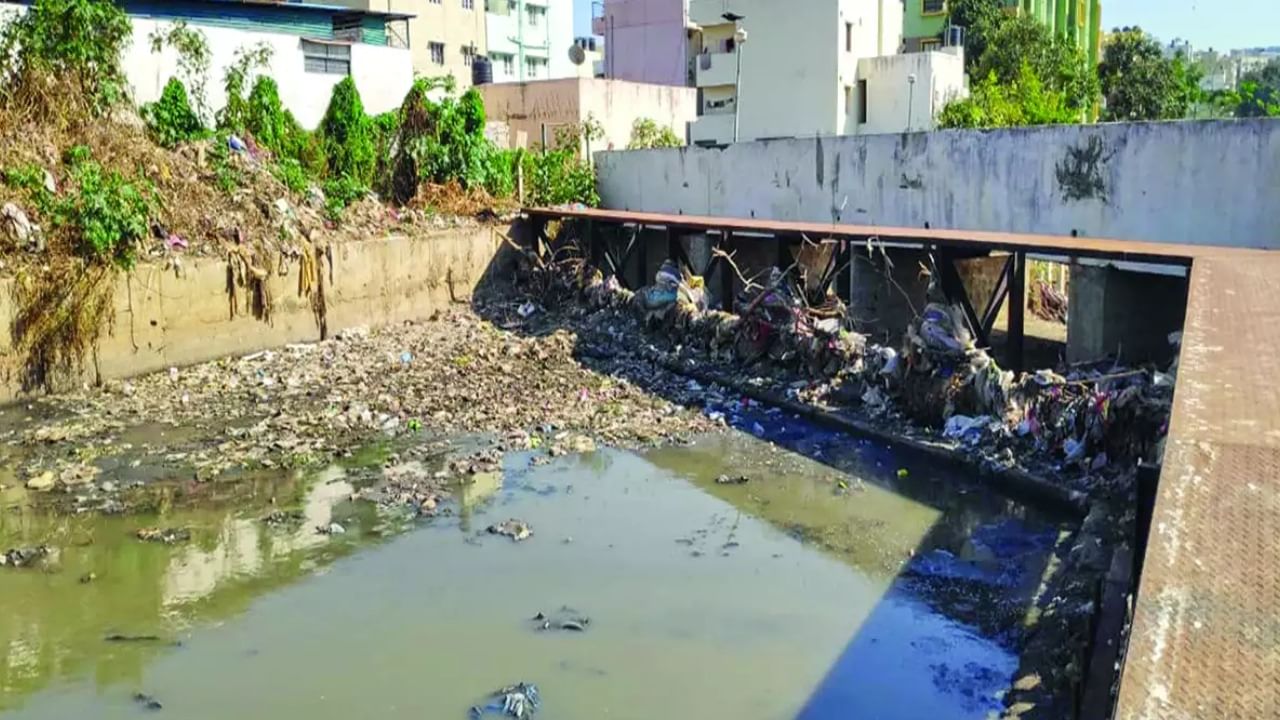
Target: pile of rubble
[
  {"x": 455, "y": 375},
  {"x": 1095, "y": 420}
]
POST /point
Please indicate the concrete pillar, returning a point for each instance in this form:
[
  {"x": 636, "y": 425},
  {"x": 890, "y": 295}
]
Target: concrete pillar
[
  {"x": 883, "y": 303},
  {"x": 1127, "y": 315}
]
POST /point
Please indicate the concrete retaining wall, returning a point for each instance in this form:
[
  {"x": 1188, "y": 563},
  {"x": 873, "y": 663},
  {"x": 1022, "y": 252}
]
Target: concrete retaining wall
[
  {"x": 1210, "y": 182},
  {"x": 163, "y": 320}
]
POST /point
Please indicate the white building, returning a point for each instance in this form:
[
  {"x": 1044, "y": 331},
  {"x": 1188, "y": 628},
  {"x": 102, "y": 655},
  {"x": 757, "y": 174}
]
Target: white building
[
  {"x": 592, "y": 65},
  {"x": 530, "y": 39},
  {"x": 783, "y": 69}
]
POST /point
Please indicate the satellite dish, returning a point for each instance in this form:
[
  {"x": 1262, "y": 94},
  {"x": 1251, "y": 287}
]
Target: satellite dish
[{"x": 577, "y": 55}]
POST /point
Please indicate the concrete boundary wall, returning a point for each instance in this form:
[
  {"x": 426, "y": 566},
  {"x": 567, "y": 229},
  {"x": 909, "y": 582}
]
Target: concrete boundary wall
[
  {"x": 164, "y": 320},
  {"x": 1202, "y": 182}
]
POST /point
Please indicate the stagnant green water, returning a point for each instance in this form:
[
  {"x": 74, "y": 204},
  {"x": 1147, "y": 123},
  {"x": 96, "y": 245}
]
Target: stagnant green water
[{"x": 825, "y": 587}]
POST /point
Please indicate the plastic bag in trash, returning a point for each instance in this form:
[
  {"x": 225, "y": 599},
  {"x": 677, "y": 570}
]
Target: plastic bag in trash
[
  {"x": 967, "y": 430},
  {"x": 940, "y": 332},
  {"x": 668, "y": 275},
  {"x": 518, "y": 701}
]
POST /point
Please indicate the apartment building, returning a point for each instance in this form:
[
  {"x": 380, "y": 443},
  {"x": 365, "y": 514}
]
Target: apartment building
[
  {"x": 767, "y": 69},
  {"x": 444, "y": 36},
  {"x": 530, "y": 39}
]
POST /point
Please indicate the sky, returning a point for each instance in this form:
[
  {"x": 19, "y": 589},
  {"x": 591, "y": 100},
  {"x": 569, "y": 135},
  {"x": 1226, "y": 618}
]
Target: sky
[{"x": 1217, "y": 24}]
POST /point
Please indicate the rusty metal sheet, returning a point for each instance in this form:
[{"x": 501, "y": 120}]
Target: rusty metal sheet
[
  {"x": 1052, "y": 244},
  {"x": 1206, "y": 634}
]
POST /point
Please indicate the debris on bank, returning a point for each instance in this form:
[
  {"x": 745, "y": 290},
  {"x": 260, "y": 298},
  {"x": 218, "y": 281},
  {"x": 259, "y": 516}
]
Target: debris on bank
[
  {"x": 1090, "y": 424},
  {"x": 310, "y": 404}
]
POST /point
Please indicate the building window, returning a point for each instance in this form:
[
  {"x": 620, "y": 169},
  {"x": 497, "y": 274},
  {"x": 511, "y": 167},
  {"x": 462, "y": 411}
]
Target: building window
[
  {"x": 437, "y": 53},
  {"x": 327, "y": 58},
  {"x": 862, "y": 101},
  {"x": 535, "y": 67},
  {"x": 535, "y": 15},
  {"x": 436, "y": 2},
  {"x": 848, "y": 37},
  {"x": 933, "y": 7},
  {"x": 930, "y": 44},
  {"x": 508, "y": 63},
  {"x": 848, "y": 99},
  {"x": 468, "y": 55},
  {"x": 469, "y": 4}
]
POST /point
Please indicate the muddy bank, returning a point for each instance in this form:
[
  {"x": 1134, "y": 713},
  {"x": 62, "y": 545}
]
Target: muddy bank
[{"x": 307, "y": 404}]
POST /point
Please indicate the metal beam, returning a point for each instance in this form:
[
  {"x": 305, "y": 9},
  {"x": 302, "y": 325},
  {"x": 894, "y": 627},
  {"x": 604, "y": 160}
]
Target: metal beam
[
  {"x": 998, "y": 295},
  {"x": 1017, "y": 309},
  {"x": 953, "y": 288}
]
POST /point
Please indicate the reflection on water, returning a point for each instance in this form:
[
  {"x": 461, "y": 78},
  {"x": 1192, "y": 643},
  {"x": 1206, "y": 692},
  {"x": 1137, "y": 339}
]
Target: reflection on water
[
  {"x": 53, "y": 620},
  {"x": 827, "y": 589}
]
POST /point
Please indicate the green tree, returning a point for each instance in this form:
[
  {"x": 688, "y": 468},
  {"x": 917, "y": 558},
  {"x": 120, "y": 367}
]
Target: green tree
[
  {"x": 1259, "y": 92},
  {"x": 1023, "y": 101},
  {"x": 1140, "y": 83},
  {"x": 78, "y": 42},
  {"x": 170, "y": 119},
  {"x": 347, "y": 140},
  {"x": 1056, "y": 62},
  {"x": 980, "y": 19},
  {"x": 645, "y": 134},
  {"x": 272, "y": 125}
]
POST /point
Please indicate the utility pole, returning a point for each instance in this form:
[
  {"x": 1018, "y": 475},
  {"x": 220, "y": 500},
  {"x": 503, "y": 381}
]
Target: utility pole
[
  {"x": 519, "y": 39},
  {"x": 911, "y": 98},
  {"x": 739, "y": 39}
]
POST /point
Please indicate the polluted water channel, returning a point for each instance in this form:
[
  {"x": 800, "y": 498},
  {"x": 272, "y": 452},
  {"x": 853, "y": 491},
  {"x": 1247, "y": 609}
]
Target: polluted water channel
[{"x": 802, "y": 574}]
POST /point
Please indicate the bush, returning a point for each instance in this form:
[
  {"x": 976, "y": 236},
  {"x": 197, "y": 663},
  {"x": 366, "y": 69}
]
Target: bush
[
  {"x": 234, "y": 115},
  {"x": 171, "y": 120},
  {"x": 559, "y": 177},
  {"x": 78, "y": 42},
  {"x": 384, "y": 127},
  {"x": 227, "y": 176},
  {"x": 102, "y": 212},
  {"x": 341, "y": 192},
  {"x": 272, "y": 126},
  {"x": 290, "y": 172},
  {"x": 646, "y": 133},
  {"x": 347, "y": 140},
  {"x": 1025, "y": 101}
]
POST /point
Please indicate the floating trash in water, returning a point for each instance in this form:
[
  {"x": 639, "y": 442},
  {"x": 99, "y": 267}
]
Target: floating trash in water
[
  {"x": 168, "y": 536},
  {"x": 147, "y": 701},
  {"x": 519, "y": 701},
  {"x": 517, "y": 530},
  {"x": 566, "y": 618},
  {"x": 733, "y": 480},
  {"x": 24, "y": 557}
]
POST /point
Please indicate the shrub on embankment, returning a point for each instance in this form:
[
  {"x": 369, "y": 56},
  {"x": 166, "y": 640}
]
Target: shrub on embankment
[{"x": 89, "y": 183}]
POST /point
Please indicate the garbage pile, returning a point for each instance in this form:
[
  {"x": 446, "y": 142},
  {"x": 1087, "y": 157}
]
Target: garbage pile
[
  {"x": 775, "y": 325},
  {"x": 1089, "y": 419},
  {"x": 943, "y": 374}
]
